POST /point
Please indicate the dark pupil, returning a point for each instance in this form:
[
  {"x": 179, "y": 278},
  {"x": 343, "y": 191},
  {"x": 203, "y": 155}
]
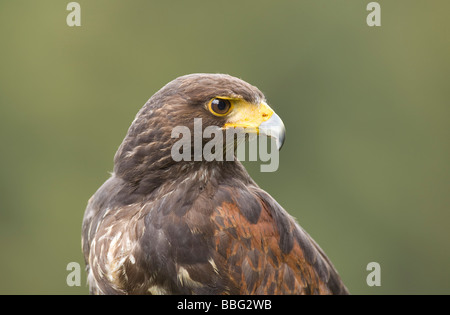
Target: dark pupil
[{"x": 221, "y": 105}]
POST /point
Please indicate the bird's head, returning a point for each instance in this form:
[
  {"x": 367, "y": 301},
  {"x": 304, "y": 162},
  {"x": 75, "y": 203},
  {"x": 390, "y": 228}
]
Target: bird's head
[{"x": 221, "y": 101}]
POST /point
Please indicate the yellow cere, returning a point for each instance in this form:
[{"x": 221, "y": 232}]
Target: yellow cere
[{"x": 247, "y": 115}]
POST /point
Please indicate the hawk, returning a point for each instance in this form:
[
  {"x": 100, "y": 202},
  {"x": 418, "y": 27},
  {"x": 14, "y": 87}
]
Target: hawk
[{"x": 160, "y": 226}]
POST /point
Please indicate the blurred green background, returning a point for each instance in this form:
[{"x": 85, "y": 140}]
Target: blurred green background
[{"x": 365, "y": 168}]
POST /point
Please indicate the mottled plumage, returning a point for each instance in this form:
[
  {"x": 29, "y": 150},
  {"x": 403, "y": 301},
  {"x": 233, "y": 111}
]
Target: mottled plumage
[{"x": 163, "y": 227}]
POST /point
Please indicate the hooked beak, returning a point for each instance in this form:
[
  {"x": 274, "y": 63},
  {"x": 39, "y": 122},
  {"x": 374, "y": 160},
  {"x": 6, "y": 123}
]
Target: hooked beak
[
  {"x": 274, "y": 128},
  {"x": 259, "y": 119}
]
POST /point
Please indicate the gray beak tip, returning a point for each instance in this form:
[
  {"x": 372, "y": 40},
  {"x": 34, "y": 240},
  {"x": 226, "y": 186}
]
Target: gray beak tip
[{"x": 274, "y": 128}]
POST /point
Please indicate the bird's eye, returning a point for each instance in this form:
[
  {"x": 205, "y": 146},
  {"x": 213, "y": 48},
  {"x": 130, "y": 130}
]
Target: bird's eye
[{"x": 220, "y": 106}]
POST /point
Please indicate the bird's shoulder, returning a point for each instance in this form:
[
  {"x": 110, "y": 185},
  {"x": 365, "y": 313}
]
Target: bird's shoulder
[
  {"x": 234, "y": 239},
  {"x": 269, "y": 253}
]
